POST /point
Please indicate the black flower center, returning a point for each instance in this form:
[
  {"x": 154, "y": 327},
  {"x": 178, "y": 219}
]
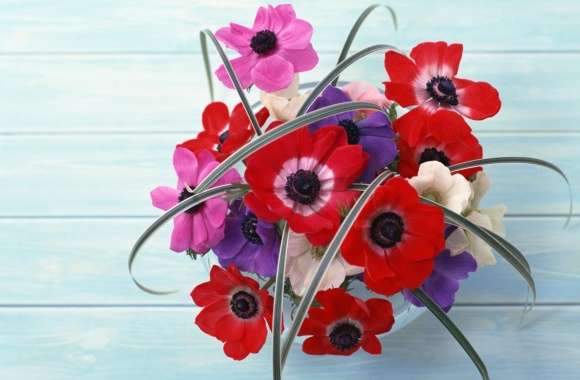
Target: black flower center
[
  {"x": 345, "y": 336},
  {"x": 244, "y": 305},
  {"x": 351, "y": 129},
  {"x": 432, "y": 154},
  {"x": 249, "y": 230},
  {"x": 442, "y": 90},
  {"x": 387, "y": 229},
  {"x": 303, "y": 186},
  {"x": 186, "y": 194},
  {"x": 264, "y": 42}
]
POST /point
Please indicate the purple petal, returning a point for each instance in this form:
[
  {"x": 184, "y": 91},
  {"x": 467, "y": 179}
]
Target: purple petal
[
  {"x": 382, "y": 152},
  {"x": 233, "y": 242},
  {"x": 456, "y": 267},
  {"x": 331, "y": 95}
]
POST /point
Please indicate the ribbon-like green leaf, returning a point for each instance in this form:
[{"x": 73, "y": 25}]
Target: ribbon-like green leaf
[
  {"x": 521, "y": 160},
  {"x": 277, "y": 133},
  {"x": 453, "y": 330},
  {"x": 496, "y": 242},
  {"x": 329, "y": 255},
  {"x": 278, "y": 300},
  {"x": 355, "y": 28},
  {"x": 233, "y": 77},
  {"x": 337, "y": 70},
  {"x": 233, "y": 190},
  {"x": 207, "y": 64}
]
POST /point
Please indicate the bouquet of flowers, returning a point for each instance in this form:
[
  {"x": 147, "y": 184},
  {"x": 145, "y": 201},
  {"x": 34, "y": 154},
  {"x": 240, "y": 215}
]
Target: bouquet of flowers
[{"x": 349, "y": 204}]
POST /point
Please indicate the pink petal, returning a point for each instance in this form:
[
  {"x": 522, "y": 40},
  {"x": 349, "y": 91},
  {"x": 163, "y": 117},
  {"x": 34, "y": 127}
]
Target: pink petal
[
  {"x": 302, "y": 60},
  {"x": 236, "y": 37},
  {"x": 262, "y": 20},
  {"x": 164, "y": 197},
  {"x": 231, "y": 176},
  {"x": 214, "y": 234},
  {"x": 296, "y": 35},
  {"x": 181, "y": 235},
  {"x": 286, "y": 13},
  {"x": 185, "y": 164},
  {"x": 206, "y": 170},
  {"x": 215, "y": 211},
  {"x": 242, "y": 66},
  {"x": 273, "y": 73},
  {"x": 199, "y": 234}
]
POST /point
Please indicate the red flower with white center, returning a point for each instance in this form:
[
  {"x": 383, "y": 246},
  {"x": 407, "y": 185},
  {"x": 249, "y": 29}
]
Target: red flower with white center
[
  {"x": 446, "y": 138},
  {"x": 345, "y": 323},
  {"x": 223, "y": 133},
  {"x": 427, "y": 80},
  {"x": 395, "y": 238},
  {"x": 304, "y": 178},
  {"x": 235, "y": 311}
]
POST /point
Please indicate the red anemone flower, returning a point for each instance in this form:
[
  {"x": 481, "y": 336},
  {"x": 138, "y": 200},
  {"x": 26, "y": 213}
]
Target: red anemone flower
[
  {"x": 304, "y": 178},
  {"x": 427, "y": 80},
  {"x": 395, "y": 238},
  {"x": 446, "y": 138},
  {"x": 223, "y": 133},
  {"x": 235, "y": 311},
  {"x": 345, "y": 323}
]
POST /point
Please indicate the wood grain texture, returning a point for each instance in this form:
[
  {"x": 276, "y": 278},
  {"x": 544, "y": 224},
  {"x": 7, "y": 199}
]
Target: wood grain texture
[
  {"x": 113, "y": 174},
  {"x": 171, "y": 25},
  {"x": 129, "y": 94},
  {"x": 161, "y": 343},
  {"x": 84, "y": 261}
]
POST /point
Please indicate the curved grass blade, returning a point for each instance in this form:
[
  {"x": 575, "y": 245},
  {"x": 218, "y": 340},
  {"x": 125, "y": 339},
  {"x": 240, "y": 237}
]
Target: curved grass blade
[
  {"x": 206, "y": 64},
  {"x": 355, "y": 28},
  {"x": 329, "y": 255},
  {"x": 337, "y": 70},
  {"x": 234, "y": 190},
  {"x": 234, "y": 79},
  {"x": 278, "y": 299},
  {"x": 453, "y": 330},
  {"x": 521, "y": 160},
  {"x": 277, "y": 133},
  {"x": 498, "y": 245}
]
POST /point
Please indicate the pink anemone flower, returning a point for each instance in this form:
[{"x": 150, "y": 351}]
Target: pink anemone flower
[
  {"x": 201, "y": 227},
  {"x": 272, "y": 51}
]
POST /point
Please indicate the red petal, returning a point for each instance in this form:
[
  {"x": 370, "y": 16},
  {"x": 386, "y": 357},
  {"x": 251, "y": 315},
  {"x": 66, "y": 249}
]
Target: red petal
[
  {"x": 215, "y": 117},
  {"x": 255, "y": 335},
  {"x": 208, "y": 316},
  {"x": 401, "y": 93},
  {"x": 204, "y": 294},
  {"x": 371, "y": 344},
  {"x": 229, "y": 328},
  {"x": 259, "y": 208},
  {"x": 451, "y": 58},
  {"x": 386, "y": 286},
  {"x": 325, "y": 141},
  {"x": 400, "y": 68},
  {"x": 315, "y": 345},
  {"x": 236, "y": 350},
  {"x": 381, "y": 317},
  {"x": 478, "y": 101},
  {"x": 411, "y": 125},
  {"x": 347, "y": 164}
]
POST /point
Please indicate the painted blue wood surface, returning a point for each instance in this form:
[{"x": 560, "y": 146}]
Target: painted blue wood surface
[{"x": 95, "y": 94}]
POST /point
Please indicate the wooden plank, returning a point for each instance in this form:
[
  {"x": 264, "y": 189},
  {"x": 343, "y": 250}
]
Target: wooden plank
[
  {"x": 171, "y": 25},
  {"x": 98, "y": 343},
  {"x": 84, "y": 261},
  {"x": 113, "y": 174},
  {"x": 155, "y": 94}
]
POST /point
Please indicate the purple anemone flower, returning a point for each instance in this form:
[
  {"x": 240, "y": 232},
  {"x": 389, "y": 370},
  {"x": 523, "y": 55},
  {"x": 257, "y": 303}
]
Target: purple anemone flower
[
  {"x": 443, "y": 283},
  {"x": 251, "y": 244},
  {"x": 374, "y": 132}
]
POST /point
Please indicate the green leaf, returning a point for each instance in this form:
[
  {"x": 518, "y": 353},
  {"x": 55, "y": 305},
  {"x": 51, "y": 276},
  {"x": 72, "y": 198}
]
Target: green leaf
[
  {"x": 233, "y": 77},
  {"x": 453, "y": 330},
  {"x": 236, "y": 190},
  {"x": 329, "y": 255},
  {"x": 316, "y": 91},
  {"x": 278, "y": 300},
  {"x": 355, "y": 28},
  {"x": 392, "y": 112},
  {"x": 207, "y": 64},
  {"x": 521, "y": 160},
  {"x": 510, "y": 253},
  {"x": 277, "y": 133}
]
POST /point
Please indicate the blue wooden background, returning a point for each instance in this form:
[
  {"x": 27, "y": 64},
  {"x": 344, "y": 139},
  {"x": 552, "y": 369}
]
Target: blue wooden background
[{"x": 94, "y": 94}]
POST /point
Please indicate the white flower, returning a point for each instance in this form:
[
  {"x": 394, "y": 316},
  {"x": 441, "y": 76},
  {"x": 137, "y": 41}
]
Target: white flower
[
  {"x": 302, "y": 261},
  {"x": 435, "y": 181},
  {"x": 284, "y": 104},
  {"x": 489, "y": 218}
]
